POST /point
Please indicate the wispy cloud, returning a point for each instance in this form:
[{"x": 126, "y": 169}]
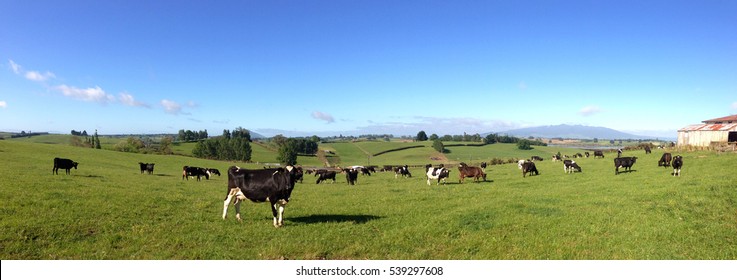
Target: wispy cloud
[
  {"x": 15, "y": 67},
  {"x": 323, "y": 116},
  {"x": 3, "y": 104},
  {"x": 95, "y": 94},
  {"x": 589, "y": 110},
  {"x": 38, "y": 76},
  {"x": 127, "y": 99},
  {"x": 734, "y": 105},
  {"x": 171, "y": 107}
]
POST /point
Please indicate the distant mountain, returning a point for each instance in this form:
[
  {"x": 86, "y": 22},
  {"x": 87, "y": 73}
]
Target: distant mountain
[{"x": 572, "y": 132}]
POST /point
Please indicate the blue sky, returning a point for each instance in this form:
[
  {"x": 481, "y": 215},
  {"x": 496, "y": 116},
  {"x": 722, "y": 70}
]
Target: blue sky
[{"x": 358, "y": 67}]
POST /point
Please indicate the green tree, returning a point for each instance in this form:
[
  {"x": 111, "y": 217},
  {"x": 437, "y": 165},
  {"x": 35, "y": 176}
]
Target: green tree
[
  {"x": 524, "y": 144},
  {"x": 97, "y": 140},
  {"x": 438, "y": 146},
  {"x": 288, "y": 153},
  {"x": 421, "y": 136}
]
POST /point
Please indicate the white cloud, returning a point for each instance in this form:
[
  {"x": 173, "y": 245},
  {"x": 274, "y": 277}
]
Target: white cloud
[
  {"x": 589, "y": 110},
  {"x": 15, "y": 67},
  {"x": 127, "y": 99},
  {"x": 39, "y": 77},
  {"x": 323, "y": 116},
  {"x": 3, "y": 104},
  {"x": 171, "y": 107},
  {"x": 95, "y": 94}
]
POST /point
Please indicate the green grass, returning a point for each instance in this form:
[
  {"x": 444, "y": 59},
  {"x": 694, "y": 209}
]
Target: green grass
[{"x": 106, "y": 209}]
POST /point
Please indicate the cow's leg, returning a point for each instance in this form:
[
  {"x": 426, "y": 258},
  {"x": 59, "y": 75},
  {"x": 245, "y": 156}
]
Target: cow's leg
[
  {"x": 428, "y": 181},
  {"x": 278, "y": 210}
]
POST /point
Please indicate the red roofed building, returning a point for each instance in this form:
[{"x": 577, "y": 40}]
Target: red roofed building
[{"x": 714, "y": 131}]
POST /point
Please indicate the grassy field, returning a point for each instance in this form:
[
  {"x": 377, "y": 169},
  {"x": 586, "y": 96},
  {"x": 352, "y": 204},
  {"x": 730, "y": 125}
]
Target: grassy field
[{"x": 108, "y": 210}]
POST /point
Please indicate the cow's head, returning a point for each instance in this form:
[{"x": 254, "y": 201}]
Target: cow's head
[{"x": 75, "y": 164}]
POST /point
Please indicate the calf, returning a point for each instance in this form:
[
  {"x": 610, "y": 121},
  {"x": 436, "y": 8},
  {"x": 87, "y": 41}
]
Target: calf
[
  {"x": 665, "y": 160},
  {"x": 63, "y": 163},
  {"x": 570, "y": 166},
  {"x": 677, "y": 164},
  {"x": 146, "y": 167},
  {"x": 192, "y": 171},
  {"x": 529, "y": 167},
  {"x": 440, "y": 174},
  {"x": 274, "y": 185},
  {"x": 625, "y": 162}
]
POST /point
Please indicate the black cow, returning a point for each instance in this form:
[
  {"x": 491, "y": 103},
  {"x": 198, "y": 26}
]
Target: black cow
[
  {"x": 146, "y": 167},
  {"x": 598, "y": 154},
  {"x": 570, "y": 166},
  {"x": 677, "y": 164},
  {"x": 351, "y": 175},
  {"x": 274, "y": 185},
  {"x": 647, "y": 150},
  {"x": 587, "y": 154},
  {"x": 402, "y": 170},
  {"x": 529, "y": 167},
  {"x": 63, "y": 163},
  {"x": 534, "y": 158},
  {"x": 323, "y": 175},
  {"x": 192, "y": 171},
  {"x": 665, "y": 160},
  {"x": 625, "y": 162}
]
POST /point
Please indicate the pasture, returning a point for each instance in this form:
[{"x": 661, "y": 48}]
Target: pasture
[{"x": 106, "y": 209}]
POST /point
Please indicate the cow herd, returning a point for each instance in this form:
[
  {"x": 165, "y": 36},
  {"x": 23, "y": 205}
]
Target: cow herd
[{"x": 275, "y": 185}]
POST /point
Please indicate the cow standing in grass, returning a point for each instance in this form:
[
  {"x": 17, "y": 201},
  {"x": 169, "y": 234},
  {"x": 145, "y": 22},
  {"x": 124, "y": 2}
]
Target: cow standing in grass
[
  {"x": 470, "y": 171},
  {"x": 677, "y": 164},
  {"x": 63, "y": 163},
  {"x": 272, "y": 185},
  {"x": 665, "y": 160}
]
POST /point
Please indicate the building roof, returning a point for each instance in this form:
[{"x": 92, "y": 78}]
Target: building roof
[
  {"x": 710, "y": 127},
  {"x": 727, "y": 119}
]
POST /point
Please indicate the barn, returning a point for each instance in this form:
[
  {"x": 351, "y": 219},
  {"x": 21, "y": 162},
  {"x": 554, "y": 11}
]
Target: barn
[{"x": 710, "y": 132}]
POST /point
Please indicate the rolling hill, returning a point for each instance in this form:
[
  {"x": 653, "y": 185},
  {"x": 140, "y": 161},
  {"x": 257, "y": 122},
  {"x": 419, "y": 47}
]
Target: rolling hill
[{"x": 572, "y": 132}]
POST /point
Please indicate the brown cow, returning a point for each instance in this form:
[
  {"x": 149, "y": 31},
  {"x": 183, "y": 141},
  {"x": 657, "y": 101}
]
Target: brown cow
[{"x": 470, "y": 171}]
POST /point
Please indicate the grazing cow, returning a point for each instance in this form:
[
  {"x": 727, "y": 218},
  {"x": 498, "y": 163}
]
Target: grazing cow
[
  {"x": 402, "y": 170},
  {"x": 647, "y": 150},
  {"x": 598, "y": 154},
  {"x": 274, "y": 185},
  {"x": 665, "y": 160},
  {"x": 536, "y": 158},
  {"x": 440, "y": 174},
  {"x": 470, "y": 171},
  {"x": 555, "y": 158},
  {"x": 387, "y": 168},
  {"x": 529, "y": 167},
  {"x": 214, "y": 171},
  {"x": 146, "y": 167},
  {"x": 619, "y": 152},
  {"x": 351, "y": 175},
  {"x": 520, "y": 163},
  {"x": 625, "y": 162},
  {"x": 579, "y": 155},
  {"x": 324, "y": 175},
  {"x": 677, "y": 164},
  {"x": 587, "y": 154},
  {"x": 570, "y": 166},
  {"x": 191, "y": 171},
  {"x": 63, "y": 163}
]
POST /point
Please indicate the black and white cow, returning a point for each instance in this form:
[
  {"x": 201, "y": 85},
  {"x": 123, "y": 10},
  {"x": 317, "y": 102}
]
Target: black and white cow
[
  {"x": 625, "y": 162},
  {"x": 587, "y": 154},
  {"x": 63, "y": 163},
  {"x": 273, "y": 185},
  {"x": 665, "y": 160},
  {"x": 598, "y": 154},
  {"x": 536, "y": 158},
  {"x": 439, "y": 173},
  {"x": 529, "y": 167},
  {"x": 351, "y": 175},
  {"x": 214, "y": 171},
  {"x": 570, "y": 166},
  {"x": 324, "y": 175},
  {"x": 555, "y": 158},
  {"x": 677, "y": 164},
  {"x": 146, "y": 167},
  {"x": 192, "y": 171},
  {"x": 402, "y": 170}
]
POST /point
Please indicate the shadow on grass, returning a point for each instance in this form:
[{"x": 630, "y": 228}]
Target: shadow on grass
[{"x": 315, "y": 219}]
